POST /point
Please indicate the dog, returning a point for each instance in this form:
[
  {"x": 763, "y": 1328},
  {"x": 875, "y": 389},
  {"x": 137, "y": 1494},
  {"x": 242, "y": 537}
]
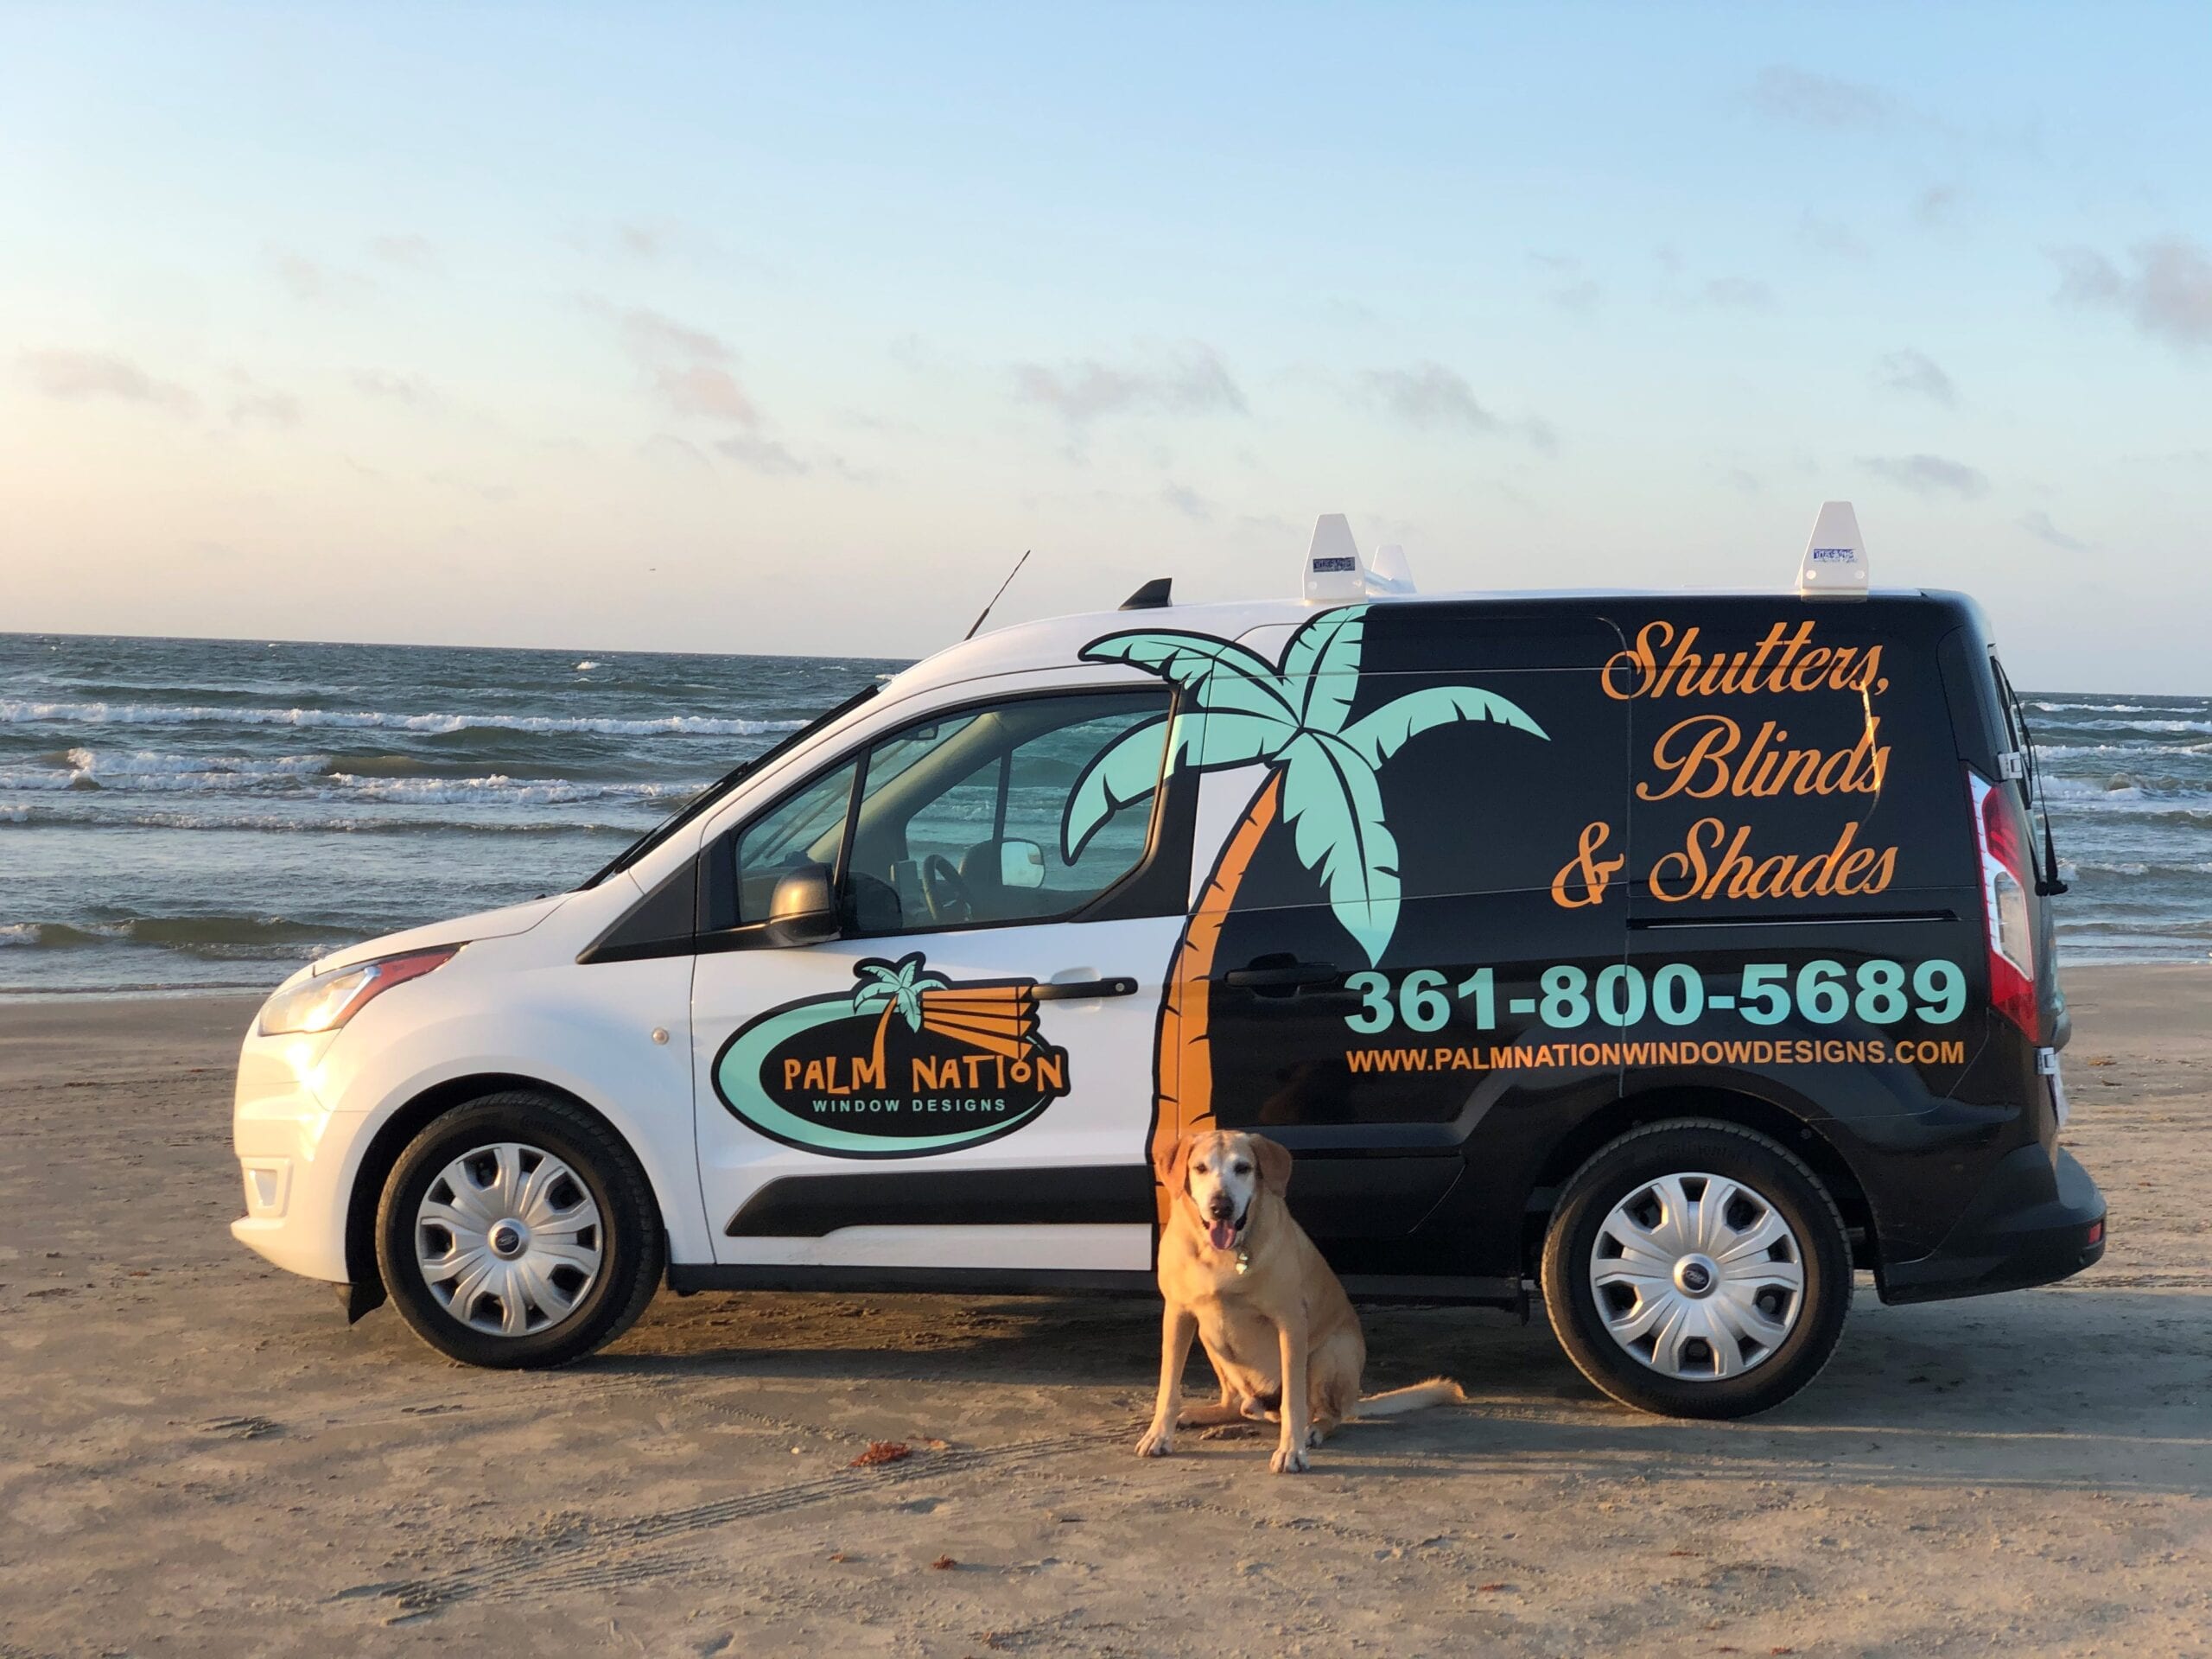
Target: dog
[{"x": 1239, "y": 1273}]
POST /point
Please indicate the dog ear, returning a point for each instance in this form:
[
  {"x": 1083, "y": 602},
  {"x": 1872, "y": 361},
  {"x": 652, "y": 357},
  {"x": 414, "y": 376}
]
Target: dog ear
[
  {"x": 1172, "y": 1163},
  {"x": 1274, "y": 1163}
]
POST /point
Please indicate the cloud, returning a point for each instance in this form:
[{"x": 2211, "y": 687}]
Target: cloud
[
  {"x": 1805, "y": 99},
  {"x": 402, "y": 389},
  {"x": 762, "y": 455},
  {"x": 1937, "y": 205},
  {"x": 1576, "y": 292},
  {"x": 1830, "y": 236},
  {"x": 691, "y": 372},
  {"x": 416, "y": 252},
  {"x": 1739, "y": 294},
  {"x": 1188, "y": 501},
  {"x": 2168, "y": 296},
  {"x": 1428, "y": 396},
  {"x": 265, "y": 408},
  {"x": 311, "y": 282},
  {"x": 2037, "y": 523},
  {"x": 1928, "y": 475},
  {"x": 1913, "y": 371},
  {"x": 679, "y": 455},
  {"x": 1185, "y": 380},
  {"x": 73, "y": 377}
]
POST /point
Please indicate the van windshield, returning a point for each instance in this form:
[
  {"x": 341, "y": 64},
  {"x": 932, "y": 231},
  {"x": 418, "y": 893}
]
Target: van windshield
[{"x": 721, "y": 786}]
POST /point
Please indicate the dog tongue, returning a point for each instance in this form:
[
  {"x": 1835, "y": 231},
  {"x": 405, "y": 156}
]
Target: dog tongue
[{"x": 1221, "y": 1235}]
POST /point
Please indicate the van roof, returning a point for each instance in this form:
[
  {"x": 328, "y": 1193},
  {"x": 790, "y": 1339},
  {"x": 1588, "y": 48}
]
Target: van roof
[{"x": 1055, "y": 642}]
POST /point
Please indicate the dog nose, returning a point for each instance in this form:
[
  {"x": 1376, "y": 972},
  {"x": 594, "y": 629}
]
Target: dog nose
[{"x": 1221, "y": 1209}]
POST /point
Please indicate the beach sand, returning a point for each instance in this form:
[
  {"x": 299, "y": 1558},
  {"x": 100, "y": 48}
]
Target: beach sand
[{"x": 198, "y": 1456}]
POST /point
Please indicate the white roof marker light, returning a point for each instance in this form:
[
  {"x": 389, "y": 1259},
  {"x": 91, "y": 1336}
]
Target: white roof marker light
[
  {"x": 1835, "y": 566},
  {"x": 1334, "y": 571}
]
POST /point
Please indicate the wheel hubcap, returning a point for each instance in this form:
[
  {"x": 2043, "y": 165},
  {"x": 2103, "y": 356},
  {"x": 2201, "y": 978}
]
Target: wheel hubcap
[
  {"x": 509, "y": 1239},
  {"x": 1698, "y": 1276}
]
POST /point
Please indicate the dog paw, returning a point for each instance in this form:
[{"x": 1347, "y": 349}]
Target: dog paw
[
  {"x": 1156, "y": 1443},
  {"x": 1312, "y": 1437},
  {"x": 1288, "y": 1461}
]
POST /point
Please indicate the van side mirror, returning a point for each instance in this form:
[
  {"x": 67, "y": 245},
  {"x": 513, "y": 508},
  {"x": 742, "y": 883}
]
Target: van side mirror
[
  {"x": 1021, "y": 865},
  {"x": 803, "y": 908}
]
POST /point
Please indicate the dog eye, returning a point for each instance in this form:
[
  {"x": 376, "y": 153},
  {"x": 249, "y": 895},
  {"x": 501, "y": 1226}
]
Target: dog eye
[
  {"x": 1243, "y": 1169},
  {"x": 1201, "y": 1168}
]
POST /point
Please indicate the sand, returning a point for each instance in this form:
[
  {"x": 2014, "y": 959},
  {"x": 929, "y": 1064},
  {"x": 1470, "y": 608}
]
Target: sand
[{"x": 198, "y": 1456}]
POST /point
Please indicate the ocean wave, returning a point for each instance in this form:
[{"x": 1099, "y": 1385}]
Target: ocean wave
[
  {"x": 207, "y": 935},
  {"x": 21, "y": 711},
  {"x": 2163, "y": 725},
  {"x": 156, "y": 763},
  {"x": 279, "y": 823},
  {"x": 2071, "y": 867},
  {"x": 499, "y": 787}
]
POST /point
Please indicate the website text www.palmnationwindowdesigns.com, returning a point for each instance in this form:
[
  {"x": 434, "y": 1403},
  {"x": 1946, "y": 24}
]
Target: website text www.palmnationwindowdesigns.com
[{"x": 1586, "y": 1057}]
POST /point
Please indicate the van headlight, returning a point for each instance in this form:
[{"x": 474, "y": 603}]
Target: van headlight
[{"x": 328, "y": 1002}]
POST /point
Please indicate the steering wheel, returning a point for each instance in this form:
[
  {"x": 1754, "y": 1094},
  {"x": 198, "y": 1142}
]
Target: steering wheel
[{"x": 946, "y": 890}]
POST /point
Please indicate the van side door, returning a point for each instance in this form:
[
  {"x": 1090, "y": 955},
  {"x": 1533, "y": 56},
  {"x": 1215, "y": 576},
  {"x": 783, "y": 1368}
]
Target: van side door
[
  {"x": 1415, "y": 1053},
  {"x": 958, "y": 1077}
]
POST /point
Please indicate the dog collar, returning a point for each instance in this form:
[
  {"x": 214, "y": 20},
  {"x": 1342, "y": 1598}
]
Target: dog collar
[{"x": 1243, "y": 1260}]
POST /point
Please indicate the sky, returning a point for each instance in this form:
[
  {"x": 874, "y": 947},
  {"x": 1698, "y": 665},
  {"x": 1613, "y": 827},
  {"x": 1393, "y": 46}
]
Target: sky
[{"x": 789, "y": 328}]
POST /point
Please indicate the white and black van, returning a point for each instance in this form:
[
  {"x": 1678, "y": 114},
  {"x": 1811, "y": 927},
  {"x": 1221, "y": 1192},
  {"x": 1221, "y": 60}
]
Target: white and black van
[{"x": 1671, "y": 955}]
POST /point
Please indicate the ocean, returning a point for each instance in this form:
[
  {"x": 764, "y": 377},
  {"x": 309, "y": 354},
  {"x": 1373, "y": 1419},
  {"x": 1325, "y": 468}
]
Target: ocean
[{"x": 179, "y": 814}]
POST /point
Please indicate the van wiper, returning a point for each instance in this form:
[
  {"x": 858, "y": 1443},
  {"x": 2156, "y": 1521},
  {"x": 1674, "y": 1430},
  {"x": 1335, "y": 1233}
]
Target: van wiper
[{"x": 721, "y": 786}]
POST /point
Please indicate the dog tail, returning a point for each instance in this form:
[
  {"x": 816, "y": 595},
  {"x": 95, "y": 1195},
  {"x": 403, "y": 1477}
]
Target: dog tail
[{"x": 1437, "y": 1391}]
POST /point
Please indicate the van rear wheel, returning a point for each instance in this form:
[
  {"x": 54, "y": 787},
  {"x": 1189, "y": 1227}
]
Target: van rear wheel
[
  {"x": 1696, "y": 1268},
  {"x": 518, "y": 1231}
]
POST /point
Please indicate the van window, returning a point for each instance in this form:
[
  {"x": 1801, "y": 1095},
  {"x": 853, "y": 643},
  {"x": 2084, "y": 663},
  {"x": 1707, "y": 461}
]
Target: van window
[
  {"x": 807, "y": 827},
  {"x": 960, "y": 818},
  {"x": 1789, "y": 756}
]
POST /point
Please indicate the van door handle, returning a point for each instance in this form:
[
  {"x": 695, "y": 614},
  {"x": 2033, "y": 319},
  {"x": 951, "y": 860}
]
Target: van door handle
[
  {"x": 1278, "y": 975},
  {"x": 1070, "y": 990}
]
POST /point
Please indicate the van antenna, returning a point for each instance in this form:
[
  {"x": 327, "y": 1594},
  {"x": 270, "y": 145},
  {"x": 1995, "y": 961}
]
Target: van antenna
[{"x": 999, "y": 595}]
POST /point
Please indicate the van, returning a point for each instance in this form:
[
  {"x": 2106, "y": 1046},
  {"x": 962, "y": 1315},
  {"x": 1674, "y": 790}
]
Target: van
[{"x": 1671, "y": 957}]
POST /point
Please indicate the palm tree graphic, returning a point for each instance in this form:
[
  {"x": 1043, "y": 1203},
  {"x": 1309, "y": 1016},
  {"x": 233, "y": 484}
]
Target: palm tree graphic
[
  {"x": 895, "y": 988},
  {"x": 1322, "y": 770}
]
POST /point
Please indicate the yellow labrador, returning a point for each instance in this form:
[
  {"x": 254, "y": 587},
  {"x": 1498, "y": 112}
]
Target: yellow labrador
[{"x": 1240, "y": 1274}]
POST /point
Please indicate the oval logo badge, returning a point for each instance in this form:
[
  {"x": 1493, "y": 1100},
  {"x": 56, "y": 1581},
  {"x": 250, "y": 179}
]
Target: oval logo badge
[{"x": 909, "y": 1065}]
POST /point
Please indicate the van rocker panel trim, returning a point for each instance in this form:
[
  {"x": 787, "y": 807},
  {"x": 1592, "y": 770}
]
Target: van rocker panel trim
[{"x": 813, "y": 1206}]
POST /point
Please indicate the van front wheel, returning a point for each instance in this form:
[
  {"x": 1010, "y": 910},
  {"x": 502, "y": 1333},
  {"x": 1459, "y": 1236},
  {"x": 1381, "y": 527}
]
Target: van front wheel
[
  {"x": 518, "y": 1231},
  {"x": 1695, "y": 1269}
]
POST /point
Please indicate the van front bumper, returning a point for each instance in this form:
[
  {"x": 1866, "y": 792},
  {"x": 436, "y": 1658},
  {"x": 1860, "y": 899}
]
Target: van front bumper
[
  {"x": 296, "y": 1156},
  {"x": 2037, "y": 1218}
]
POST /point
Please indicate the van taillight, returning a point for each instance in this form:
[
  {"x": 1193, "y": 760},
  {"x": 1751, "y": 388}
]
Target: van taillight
[{"x": 2005, "y": 884}]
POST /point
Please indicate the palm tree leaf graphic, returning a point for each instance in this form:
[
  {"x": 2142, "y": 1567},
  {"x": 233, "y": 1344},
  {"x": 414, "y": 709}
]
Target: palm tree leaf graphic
[
  {"x": 1320, "y": 669},
  {"x": 1219, "y": 674},
  {"x": 1333, "y": 804},
  {"x": 1123, "y": 772},
  {"x": 1379, "y": 735},
  {"x": 1241, "y": 709}
]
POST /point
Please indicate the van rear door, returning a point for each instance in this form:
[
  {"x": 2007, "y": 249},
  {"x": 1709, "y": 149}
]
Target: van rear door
[{"x": 1804, "y": 903}]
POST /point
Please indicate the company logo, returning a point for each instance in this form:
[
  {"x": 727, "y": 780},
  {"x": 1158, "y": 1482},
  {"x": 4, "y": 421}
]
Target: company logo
[
  {"x": 1833, "y": 555},
  {"x": 1329, "y": 563},
  {"x": 909, "y": 1065}
]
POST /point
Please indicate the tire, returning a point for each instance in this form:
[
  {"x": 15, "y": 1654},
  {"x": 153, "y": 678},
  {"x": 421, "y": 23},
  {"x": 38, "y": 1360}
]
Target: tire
[
  {"x": 518, "y": 1231},
  {"x": 1697, "y": 1324}
]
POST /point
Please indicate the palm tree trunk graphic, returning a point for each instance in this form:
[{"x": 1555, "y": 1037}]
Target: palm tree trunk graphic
[{"x": 1183, "y": 1063}]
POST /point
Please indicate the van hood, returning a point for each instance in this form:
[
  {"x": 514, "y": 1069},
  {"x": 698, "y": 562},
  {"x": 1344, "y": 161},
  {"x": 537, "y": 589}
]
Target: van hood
[{"x": 485, "y": 925}]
